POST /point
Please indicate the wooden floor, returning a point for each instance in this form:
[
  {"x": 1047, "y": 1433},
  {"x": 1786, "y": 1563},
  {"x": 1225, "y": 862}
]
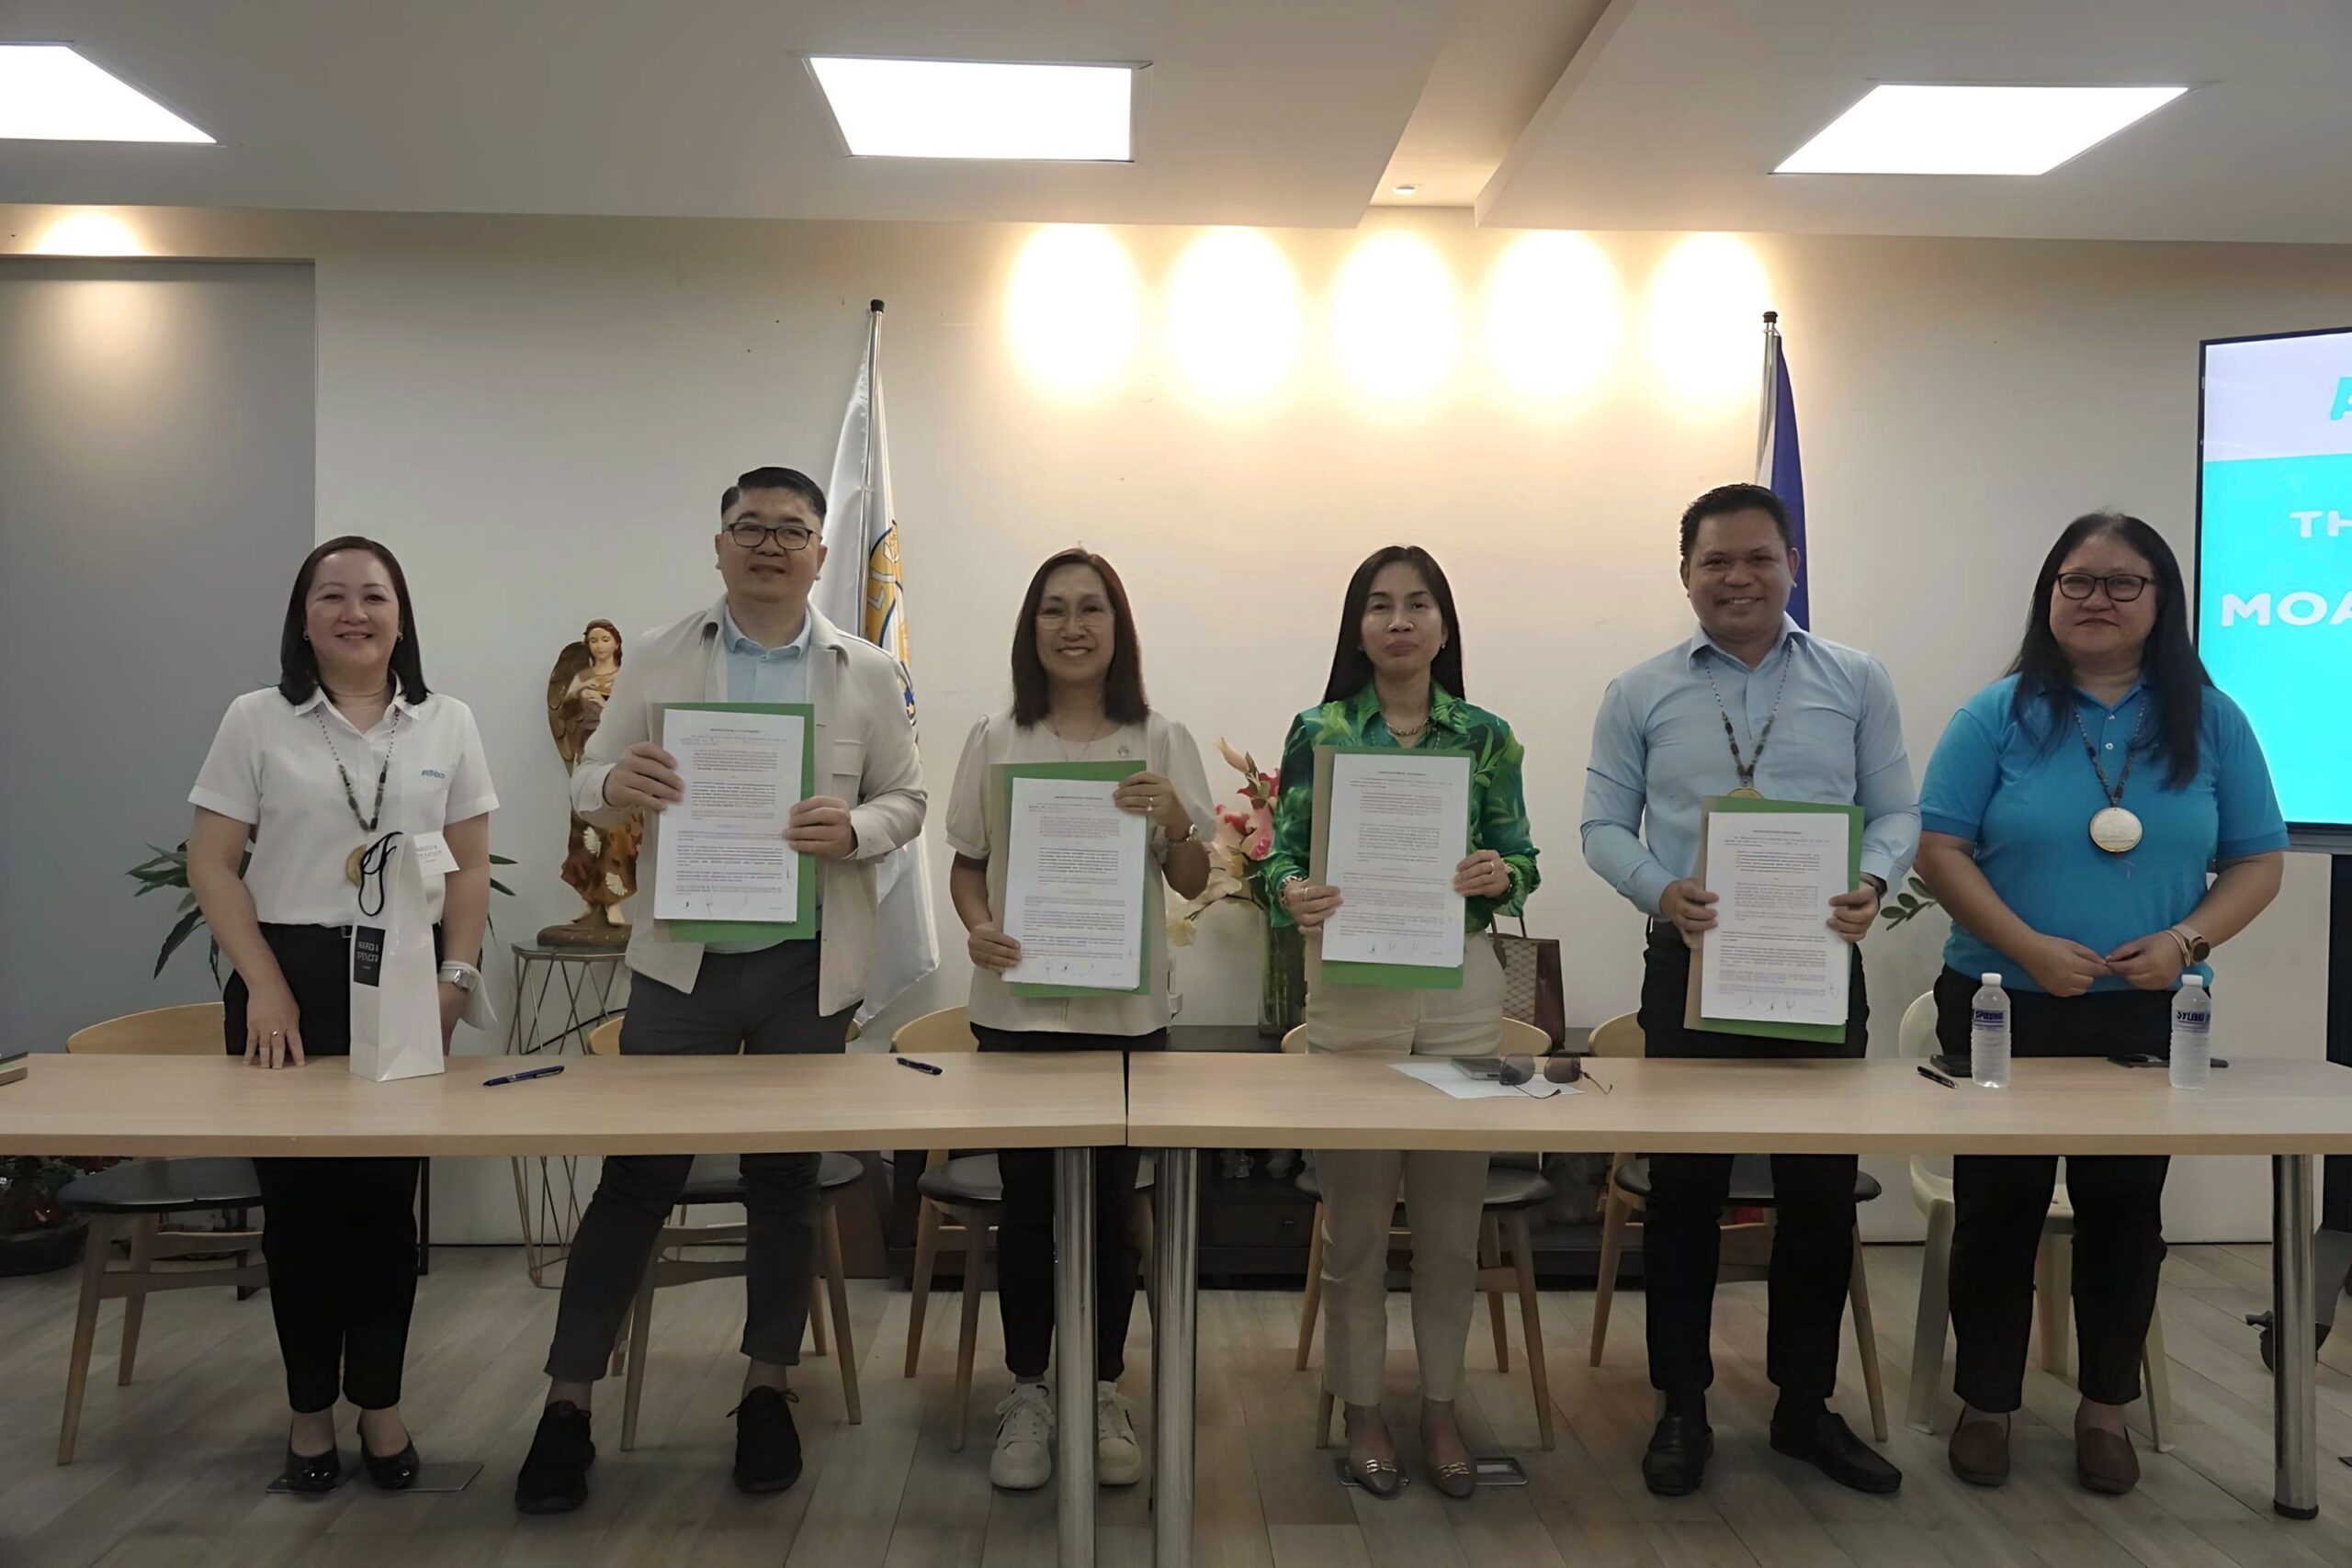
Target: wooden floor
[{"x": 171, "y": 1470}]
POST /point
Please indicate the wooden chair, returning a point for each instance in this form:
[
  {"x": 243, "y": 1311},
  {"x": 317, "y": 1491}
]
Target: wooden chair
[
  {"x": 961, "y": 1198},
  {"x": 1751, "y": 1187},
  {"x": 138, "y": 1197},
  {"x": 1512, "y": 1192},
  {"x": 2054, "y": 1277},
  {"x": 719, "y": 1179}
]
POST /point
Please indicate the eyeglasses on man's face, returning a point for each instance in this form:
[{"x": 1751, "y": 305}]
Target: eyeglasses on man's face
[
  {"x": 752, "y": 535},
  {"x": 2122, "y": 587}
]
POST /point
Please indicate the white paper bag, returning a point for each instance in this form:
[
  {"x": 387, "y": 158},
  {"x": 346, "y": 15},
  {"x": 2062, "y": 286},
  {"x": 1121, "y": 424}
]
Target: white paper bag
[{"x": 395, "y": 994}]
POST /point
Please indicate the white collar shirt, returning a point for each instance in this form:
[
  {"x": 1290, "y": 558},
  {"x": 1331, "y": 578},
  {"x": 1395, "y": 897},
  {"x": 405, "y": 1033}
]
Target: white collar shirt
[{"x": 273, "y": 766}]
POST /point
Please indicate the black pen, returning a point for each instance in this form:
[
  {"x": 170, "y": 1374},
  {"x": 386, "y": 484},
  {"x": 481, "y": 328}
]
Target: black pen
[
  {"x": 519, "y": 1078},
  {"x": 1934, "y": 1077},
  {"x": 919, "y": 1066}
]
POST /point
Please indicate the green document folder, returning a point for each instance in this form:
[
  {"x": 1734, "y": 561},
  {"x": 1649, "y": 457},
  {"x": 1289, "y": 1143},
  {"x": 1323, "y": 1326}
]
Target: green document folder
[
  {"x": 1826, "y": 1034},
  {"x": 1341, "y": 972},
  {"x": 803, "y": 925},
  {"x": 1109, "y": 771}
]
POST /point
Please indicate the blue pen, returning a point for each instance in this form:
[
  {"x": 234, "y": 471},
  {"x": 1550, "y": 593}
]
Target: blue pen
[
  {"x": 519, "y": 1078},
  {"x": 919, "y": 1066}
]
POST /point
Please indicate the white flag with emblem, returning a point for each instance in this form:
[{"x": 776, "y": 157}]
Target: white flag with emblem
[{"x": 860, "y": 590}]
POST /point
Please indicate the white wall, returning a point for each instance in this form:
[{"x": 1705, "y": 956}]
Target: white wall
[{"x": 539, "y": 414}]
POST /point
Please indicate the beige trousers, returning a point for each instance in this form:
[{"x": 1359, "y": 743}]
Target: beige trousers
[{"x": 1445, "y": 1193}]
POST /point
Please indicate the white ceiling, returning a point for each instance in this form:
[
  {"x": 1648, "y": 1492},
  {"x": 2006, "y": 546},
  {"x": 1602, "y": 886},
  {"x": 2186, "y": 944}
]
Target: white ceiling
[
  {"x": 1675, "y": 111},
  {"x": 1592, "y": 114},
  {"x": 1253, "y": 111}
]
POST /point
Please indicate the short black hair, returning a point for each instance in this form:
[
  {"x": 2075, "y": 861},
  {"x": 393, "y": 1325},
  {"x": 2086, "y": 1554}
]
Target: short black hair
[
  {"x": 773, "y": 478},
  {"x": 298, "y": 661},
  {"x": 1724, "y": 500}
]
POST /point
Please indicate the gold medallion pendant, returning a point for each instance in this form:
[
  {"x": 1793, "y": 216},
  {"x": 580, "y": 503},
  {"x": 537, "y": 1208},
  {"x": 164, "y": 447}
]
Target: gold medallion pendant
[
  {"x": 351, "y": 865},
  {"x": 1744, "y": 792}
]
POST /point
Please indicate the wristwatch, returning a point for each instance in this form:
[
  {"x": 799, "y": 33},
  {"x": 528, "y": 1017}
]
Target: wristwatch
[
  {"x": 465, "y": 976},
  {"x": 2194, "y": 949}
]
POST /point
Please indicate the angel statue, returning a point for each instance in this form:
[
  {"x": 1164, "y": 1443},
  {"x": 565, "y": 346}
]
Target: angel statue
[{"x": 599, "y": 863}]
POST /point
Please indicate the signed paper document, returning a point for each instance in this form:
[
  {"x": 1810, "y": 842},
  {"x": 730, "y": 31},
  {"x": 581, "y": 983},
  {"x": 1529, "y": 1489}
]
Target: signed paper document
[
  {"x": 1074, "y": 884},
  {"x": 1399, "y": 825},
  {"x": 1771, "y": 957},
  {"x": 723, "y": 855}
]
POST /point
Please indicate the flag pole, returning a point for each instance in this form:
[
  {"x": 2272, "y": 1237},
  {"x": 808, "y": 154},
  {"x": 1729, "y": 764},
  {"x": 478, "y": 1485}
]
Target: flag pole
[
  {"x": 865, "y": 500},
  {"x": 1768, "y": 400}
]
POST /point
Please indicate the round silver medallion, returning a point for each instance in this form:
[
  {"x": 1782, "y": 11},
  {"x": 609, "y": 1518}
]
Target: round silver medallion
[{"x": 2116, "y": 831}]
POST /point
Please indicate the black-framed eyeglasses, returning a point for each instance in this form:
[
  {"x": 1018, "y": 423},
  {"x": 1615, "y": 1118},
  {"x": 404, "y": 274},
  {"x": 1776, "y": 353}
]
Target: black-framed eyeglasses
[
  {"x": 752, "y": 535},
  {"x": 2122, "y": 587},
  {"x": 1557, "y": 1067}
]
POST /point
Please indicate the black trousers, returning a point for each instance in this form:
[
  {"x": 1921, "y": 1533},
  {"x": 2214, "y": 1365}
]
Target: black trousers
[
  {"x": 339, "y": 1234},
  {"x": 757, "y": 1004},
  {"x": 2000, "y": 1202},
  {"x": 1024, "y": 1234},
  {"x": 1812, "y": 1238}
]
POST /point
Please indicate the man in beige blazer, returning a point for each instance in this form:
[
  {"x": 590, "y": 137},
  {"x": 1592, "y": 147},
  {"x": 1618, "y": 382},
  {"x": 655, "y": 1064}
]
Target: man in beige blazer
[{"x": 761, "y": 642}]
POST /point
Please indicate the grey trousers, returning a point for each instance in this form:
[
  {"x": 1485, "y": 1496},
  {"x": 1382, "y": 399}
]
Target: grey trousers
[{"x": 759, "y": 1003}]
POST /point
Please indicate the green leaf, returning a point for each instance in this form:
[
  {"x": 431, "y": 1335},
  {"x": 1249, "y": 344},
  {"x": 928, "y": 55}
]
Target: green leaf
[
  {"x": 187, "y": 902},
  {"x": 1919, "y": 887},
  {"x": 188, "y": 922},
  {"x": 501, "y": 860},
  {"x": 498, "y": 886}
]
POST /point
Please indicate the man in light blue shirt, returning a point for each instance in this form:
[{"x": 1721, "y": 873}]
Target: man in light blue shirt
[{"x": 1752, "y": 702}]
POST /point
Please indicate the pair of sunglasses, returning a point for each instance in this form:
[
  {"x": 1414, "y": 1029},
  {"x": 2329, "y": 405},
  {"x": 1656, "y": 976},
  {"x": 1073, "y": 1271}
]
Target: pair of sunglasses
[{"x": 1555, "y": 1069}]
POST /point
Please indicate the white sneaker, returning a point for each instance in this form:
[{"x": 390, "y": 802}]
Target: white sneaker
[
  {"x": 1118, "y": 1461},
  {"x": 1024, "y": 1460}
]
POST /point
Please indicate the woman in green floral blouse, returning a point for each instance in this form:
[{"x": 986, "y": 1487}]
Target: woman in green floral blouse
[{"x": 1397, "y": 681}]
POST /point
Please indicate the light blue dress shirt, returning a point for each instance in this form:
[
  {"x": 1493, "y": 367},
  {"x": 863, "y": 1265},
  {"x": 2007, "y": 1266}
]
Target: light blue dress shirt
[
  {"x": 1658, "y": 750},
  {"x": 2025, "y": 799},
  {"x": 757, "y": 674}
]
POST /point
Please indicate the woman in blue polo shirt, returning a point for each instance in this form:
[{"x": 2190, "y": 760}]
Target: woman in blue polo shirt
[{"x": 2071, "y": 815}]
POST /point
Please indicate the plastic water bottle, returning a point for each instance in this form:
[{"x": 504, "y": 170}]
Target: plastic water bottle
[
  {"x": 1988, "y": 1036},
  {"x": 2192, "y": 1033}
]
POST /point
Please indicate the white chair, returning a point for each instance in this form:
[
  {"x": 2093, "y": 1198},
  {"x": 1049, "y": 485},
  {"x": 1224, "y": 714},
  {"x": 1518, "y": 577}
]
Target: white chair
[{"x": 2053, "y": 1281}]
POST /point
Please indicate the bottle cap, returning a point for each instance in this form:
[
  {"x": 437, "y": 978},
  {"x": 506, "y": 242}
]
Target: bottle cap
[
  {"x": 1992, "y": 980},
  {"x": 2192, "y": 979}
]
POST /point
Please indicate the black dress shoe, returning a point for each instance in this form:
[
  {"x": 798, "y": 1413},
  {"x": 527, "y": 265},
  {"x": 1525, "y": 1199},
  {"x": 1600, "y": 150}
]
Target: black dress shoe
[
  {"x": 767, "y": 1445},
  {"x": 391, "y": 1473},
  {"x": 1827, "y": 1443},
  {"x": 314, "y": 1474},
  {"x": 554, "y": 1477},
  {"x": 1676, "y": 1462}
]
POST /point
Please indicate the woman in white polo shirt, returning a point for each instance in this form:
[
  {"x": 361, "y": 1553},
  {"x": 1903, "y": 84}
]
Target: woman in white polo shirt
[
  {"x": 1077, "y": 696},
  {"x": 347, "y": 747}
]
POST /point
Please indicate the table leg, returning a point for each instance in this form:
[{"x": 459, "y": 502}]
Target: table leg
[
  {"x": 2294, "y": 1401},
  {"x": 1175, "y": 1332},
  {"x": 1074, "y": 1350}
]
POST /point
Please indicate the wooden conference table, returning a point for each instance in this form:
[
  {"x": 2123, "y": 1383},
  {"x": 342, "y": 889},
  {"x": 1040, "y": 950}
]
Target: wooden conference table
[
  {"x": 1180, "y": 1104},
  {"x": 214, "y": 1105}
]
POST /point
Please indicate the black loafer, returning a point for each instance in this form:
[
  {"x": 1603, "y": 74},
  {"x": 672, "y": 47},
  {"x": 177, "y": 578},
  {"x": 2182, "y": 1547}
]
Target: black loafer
[
  {"x": 554, "y": 1477},
  {"x": 767, "y": 1445},
  {"x": 312, "y": 1474},
  {"x": 1828, "y": 1444},
  {"x": 1676, "y": 1460},
  {"x": 392, "y": 1473}
]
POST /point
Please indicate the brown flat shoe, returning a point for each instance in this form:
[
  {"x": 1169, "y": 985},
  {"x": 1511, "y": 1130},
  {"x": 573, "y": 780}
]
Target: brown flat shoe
[
  {"x": 2104, "y": 1461},
  {"x": 1980, "y": 1452}
]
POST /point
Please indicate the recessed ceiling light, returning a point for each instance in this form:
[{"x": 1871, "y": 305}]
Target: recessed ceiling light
[
  {"x": 967, "y": 108},
  {"x": 48, "y": 93},
  {"x": 1404, "y": 190},
  {"x": 1918, "y": 129}
]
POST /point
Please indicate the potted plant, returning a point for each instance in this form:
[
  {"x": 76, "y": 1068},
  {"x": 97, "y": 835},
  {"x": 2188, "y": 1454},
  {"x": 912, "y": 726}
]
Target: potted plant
[
  {"x": 1244, "y": 838},
  {"x": 36, "y": 1235}
]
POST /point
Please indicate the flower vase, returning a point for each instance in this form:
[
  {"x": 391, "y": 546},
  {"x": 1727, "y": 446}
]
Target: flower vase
[{"x": 1282, "y": 992}]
